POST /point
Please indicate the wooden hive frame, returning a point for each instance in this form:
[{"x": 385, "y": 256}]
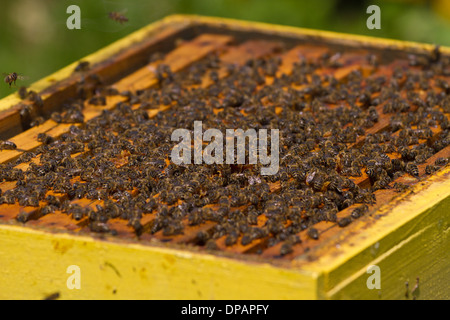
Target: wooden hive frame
[{"x": 406, "y": 234}]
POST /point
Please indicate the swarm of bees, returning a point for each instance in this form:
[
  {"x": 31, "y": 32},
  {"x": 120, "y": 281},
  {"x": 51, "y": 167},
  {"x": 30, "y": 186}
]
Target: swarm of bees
[{"x": 121, "y": 159}]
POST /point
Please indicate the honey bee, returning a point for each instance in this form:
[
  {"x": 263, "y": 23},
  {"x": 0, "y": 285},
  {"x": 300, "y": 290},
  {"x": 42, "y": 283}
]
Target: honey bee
[
  {"x": 99, "y": 227},
  {"x": 347, "y": 203},
  {"x": 232, "y": 238},
  {"x": 23, "y": 92},
  {"x": 343, "y": 222},
  {"x": 7, "y": 145},
  {"x": 313, "y": 233},
  {"x": 359, "y": 211},
  {"x": 13, "y": 77},
  {"x": 195, "y": 218},
  {"x": 372, "y": 169},
  {"x": 97, "y": 100},
  {"x": 135, "y": 223},
  {"x": 44, "y": 138},
  {"x": 388, "y": 148},
  {"x": 52, "y": 296},
  {"x": 435, "y": 54},
  {"x": 119, "y": 17},
  {"x": 399, "y": 187},
  {"x": 397, "y": 165},
  {"x": 430, "y": 169},
  {"x": 441, "y": 161},
  {"x": 246, "y": 239},
  {"x": 351, "y": 171},
  {"x": 365, "y": 196},
  {"x": 412, "y": 169},
  {"x": 82, "y": 66},
  {"x": 421, "y": 158},
  {"x": 335, "y": 184},
  {"x": 382, "y": 183},
  {"x": 286, "y": 248}
]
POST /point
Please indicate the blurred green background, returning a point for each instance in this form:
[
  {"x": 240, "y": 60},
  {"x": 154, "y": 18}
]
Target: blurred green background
[{"x": 35, "y": 41}]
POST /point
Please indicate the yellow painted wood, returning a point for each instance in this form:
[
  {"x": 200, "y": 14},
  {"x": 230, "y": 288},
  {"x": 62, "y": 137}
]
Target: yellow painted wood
[
  {"x": 304, "y": 33},
  {"x": 409, "y": 239},
  {"x": 34, "y": 263}
]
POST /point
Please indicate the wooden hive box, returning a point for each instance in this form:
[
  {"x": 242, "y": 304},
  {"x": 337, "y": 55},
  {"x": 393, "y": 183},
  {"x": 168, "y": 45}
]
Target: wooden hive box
[{"x": 405, "y": 233}]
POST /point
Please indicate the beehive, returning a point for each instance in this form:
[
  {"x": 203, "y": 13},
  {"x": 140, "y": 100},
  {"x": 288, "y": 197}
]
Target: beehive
[{"x": 404, "y": 232}]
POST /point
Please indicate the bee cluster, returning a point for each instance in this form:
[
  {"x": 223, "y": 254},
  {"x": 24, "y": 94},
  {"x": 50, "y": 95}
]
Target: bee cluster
[{"x": 121, "y": 159}]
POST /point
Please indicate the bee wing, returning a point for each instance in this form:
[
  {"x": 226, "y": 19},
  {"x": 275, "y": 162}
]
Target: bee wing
[{"x": 22, "y": 77}]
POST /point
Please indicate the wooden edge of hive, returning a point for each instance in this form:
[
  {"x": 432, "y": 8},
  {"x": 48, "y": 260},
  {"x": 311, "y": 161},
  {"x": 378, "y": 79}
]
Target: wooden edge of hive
[
  {"x": 308, "y": 34},
  {"x": 132, "y": 271},
  {"x": 369, "y": 241}
]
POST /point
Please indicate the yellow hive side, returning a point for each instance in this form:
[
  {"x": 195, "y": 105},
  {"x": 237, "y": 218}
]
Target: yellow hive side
[
  {"x": 409, "y": 240},
  {"x": 34, "y": 265}
]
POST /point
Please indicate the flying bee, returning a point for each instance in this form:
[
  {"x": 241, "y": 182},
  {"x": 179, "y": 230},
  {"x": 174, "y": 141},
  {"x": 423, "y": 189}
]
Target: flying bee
[
  {"x": 117, "y": 16},
  {"x": 13, "y": 77}
]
